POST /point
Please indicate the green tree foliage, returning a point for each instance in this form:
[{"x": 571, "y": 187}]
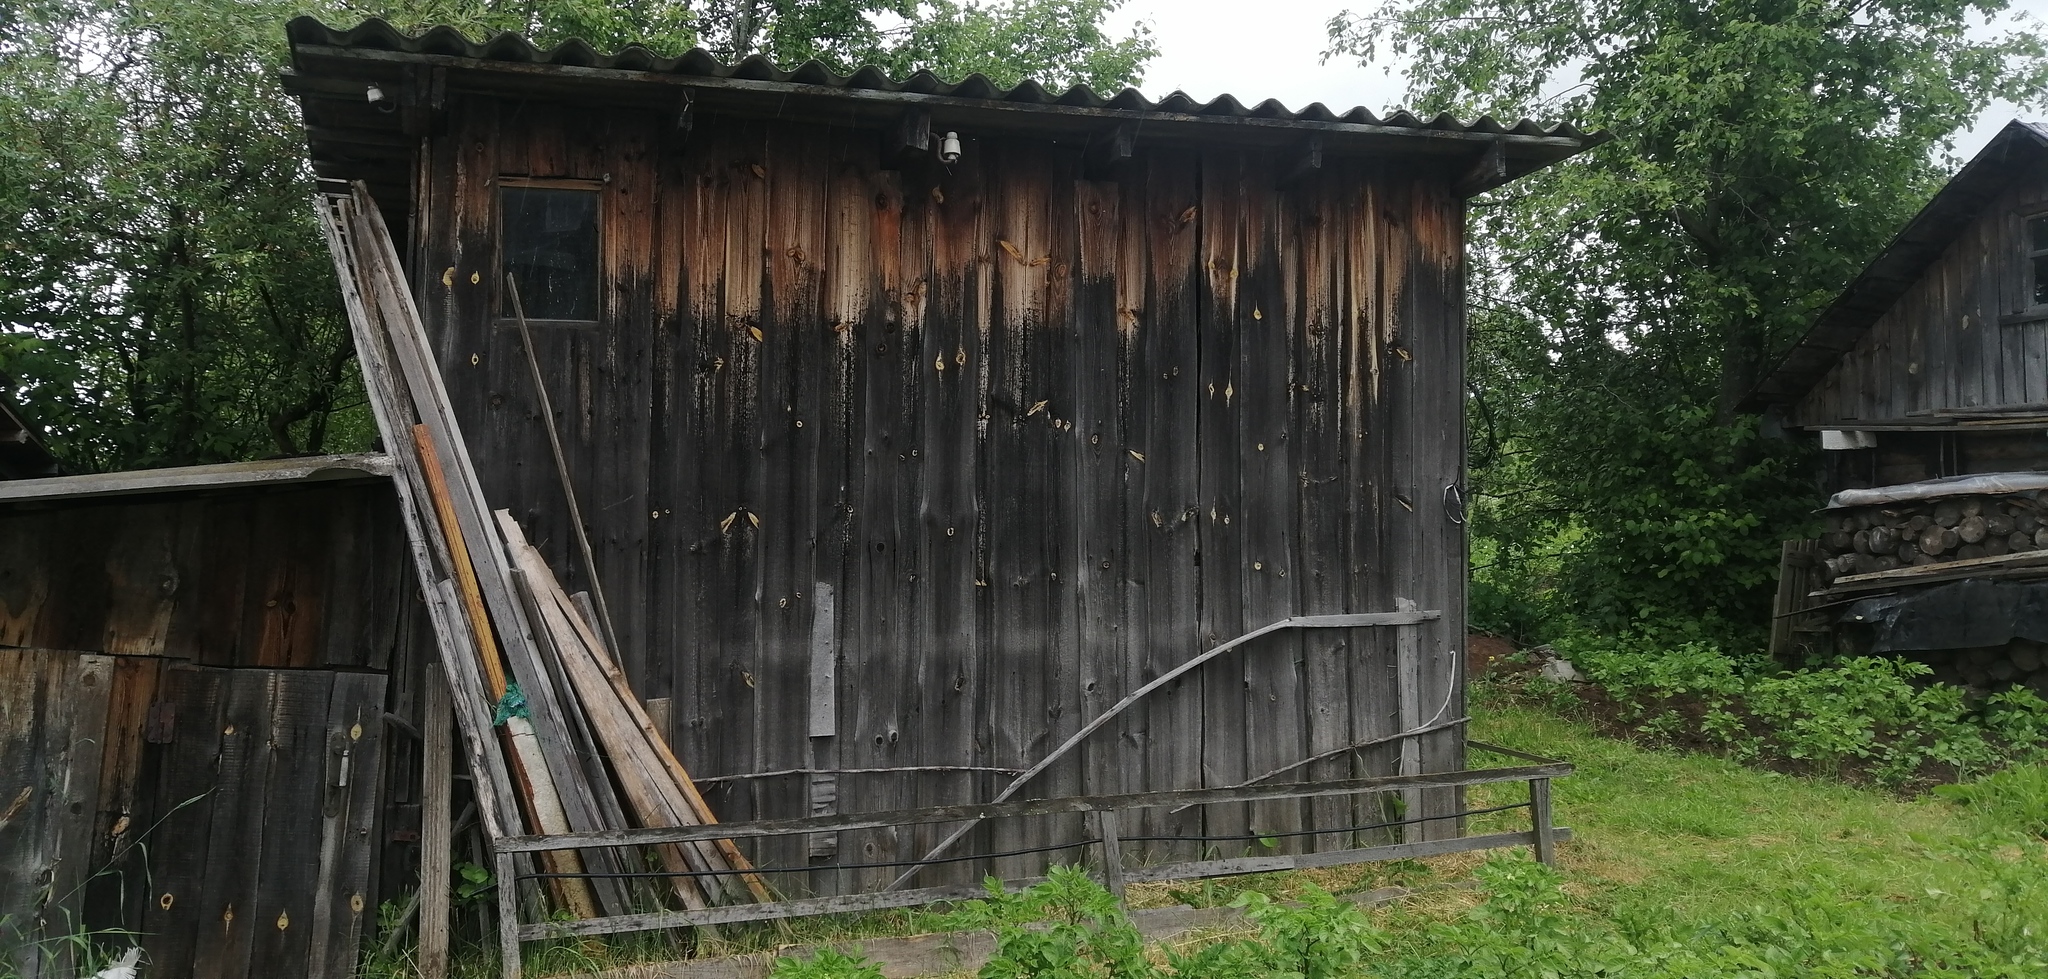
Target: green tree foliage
[
  {"x": 165, "y": 298},
  {"x": 1624, "y": 303},
  {"x": 161, "y": 293}
]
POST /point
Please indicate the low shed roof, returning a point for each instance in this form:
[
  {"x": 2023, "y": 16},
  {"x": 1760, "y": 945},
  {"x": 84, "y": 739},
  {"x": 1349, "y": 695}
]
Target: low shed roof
[{"x": 352, "y": 140}]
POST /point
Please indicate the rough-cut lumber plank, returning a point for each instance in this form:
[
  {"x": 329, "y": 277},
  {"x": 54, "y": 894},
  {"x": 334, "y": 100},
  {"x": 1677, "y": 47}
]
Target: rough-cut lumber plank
[
  {"x": 1408, "y": 680},
  {"x": 217, "y": 476},
  {"x": 824, "y": 700},
  {"x": 949, "y": 725},
  {"x": 302, "y": 759},
  {"x": 486, "y": 762},
  {"x": 228, "y": 910},
  {"x": 1112, "y": 852},
  {"x": 1020, "y": 516},
  {"x": 463, "y": 568},
  {"x": 53, "y": 709},
  {"x": 185, "y": 806},
  {"x": 405, "y": 333},
  {"x": 1158, "y": 285},
  {"x": 1546, "y": 835},
  {"x": 1272, "y": 692},
  {"x": 1219, "y": 520},
  {"x": 640, "y": 756}
]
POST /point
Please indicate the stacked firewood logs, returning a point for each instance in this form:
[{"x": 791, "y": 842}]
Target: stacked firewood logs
[
  {"x": 1865, "y": 540},
  {"x": 2022, "y": 662}
]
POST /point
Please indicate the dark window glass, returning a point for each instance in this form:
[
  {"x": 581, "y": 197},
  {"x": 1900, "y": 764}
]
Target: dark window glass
[
  {"x": 2037, "y": 257},
  {"x": 550, "y": 241}
]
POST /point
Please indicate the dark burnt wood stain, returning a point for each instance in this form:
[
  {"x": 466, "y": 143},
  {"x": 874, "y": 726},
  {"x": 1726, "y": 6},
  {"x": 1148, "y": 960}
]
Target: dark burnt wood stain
[{"x": 1046, "y": 433}]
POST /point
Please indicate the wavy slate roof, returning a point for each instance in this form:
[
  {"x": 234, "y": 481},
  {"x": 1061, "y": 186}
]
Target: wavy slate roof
[
  {"x": 2020, "y": 145},
  {"x": 508, "y": 48}
]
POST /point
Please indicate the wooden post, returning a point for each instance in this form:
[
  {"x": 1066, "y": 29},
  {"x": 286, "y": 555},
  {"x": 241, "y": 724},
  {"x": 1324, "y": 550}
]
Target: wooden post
[
  {"x": 436, "y": 778},
  {"x": 1408, "y": 685},
  {"x": 1112, "y": 852},
  {"x": 1539, "y": 818},
  {"x": 508, "y": 918}
]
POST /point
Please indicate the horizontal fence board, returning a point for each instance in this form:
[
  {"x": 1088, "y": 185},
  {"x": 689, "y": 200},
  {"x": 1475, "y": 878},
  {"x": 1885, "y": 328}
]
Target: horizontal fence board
[
  {"x": 1335, "y": 858},
  {"x": 962, "y": 892},
  {"x": 1036, "y": 807}
]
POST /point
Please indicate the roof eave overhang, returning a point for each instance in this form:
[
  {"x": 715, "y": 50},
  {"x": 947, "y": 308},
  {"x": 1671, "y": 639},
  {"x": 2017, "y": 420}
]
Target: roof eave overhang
[{"x": 331, "y": 81}]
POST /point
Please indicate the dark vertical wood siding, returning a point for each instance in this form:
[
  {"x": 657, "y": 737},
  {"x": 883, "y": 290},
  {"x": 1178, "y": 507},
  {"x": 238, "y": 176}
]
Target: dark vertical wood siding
[
  {"x": 1942, "y": 345},
  {"x": 229, "y": 826},
  {"x": 1043, "y": 437},
  {"x": 310, "y": 576}
]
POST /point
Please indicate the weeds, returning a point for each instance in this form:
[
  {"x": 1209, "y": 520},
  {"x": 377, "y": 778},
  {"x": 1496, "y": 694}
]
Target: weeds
[{"x": 1874, "y": 714}]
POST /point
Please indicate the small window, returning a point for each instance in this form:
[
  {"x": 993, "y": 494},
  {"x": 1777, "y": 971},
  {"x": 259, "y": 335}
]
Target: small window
[
  {"x": 548, "y": 237},
  {"x": 2037, "y": 259}
]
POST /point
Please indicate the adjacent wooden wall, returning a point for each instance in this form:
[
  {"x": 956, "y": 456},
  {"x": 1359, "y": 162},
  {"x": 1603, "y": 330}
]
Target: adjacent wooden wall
[
  {"x": 277, "y": 577},
  {"x": 1040, "y": 437},
  {"x": 218, "y": 778},
  {"x": 1943, "y": 345},
  {"x": 223, "y": 817}
]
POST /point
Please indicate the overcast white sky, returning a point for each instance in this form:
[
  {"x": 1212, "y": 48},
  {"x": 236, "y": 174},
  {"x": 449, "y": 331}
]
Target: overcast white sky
[{"x": 1272, "y": 49}]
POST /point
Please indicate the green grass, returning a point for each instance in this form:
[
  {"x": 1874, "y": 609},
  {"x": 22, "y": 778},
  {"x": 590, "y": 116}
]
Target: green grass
[
  {"x": 1700, "y": 838},
  {"x": 1687, "y": 841}
]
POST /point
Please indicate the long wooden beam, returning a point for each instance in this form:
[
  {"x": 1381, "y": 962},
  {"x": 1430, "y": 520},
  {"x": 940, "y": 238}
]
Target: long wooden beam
[
  {"x": 1037, "y": 807},
  {"x": 879, "y": 900}
]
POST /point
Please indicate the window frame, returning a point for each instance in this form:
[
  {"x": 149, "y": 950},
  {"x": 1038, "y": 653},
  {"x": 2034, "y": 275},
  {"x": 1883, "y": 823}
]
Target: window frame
[
  {"x": 500, "y": 299},
  {"x": 2030, "y": 261}
]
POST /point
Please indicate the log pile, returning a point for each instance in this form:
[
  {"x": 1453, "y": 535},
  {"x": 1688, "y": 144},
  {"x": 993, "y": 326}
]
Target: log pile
[
  {"x": 1872, "y": 539},
  {"x": 2020, "y": 663}
]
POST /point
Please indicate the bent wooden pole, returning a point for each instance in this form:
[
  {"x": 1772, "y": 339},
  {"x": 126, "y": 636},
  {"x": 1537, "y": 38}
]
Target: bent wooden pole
[{"x": 1344, "y": 621}]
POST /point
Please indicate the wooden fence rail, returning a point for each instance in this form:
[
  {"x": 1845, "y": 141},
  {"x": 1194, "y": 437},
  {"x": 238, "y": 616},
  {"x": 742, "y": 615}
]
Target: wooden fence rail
[{"x": 1542, "y": 837}]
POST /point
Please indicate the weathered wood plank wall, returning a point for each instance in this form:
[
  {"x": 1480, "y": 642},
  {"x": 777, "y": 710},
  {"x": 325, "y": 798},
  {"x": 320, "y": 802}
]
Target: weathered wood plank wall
[
  {"x": 1043, "y": 438},
  {"x": 1943, "y": 345},
  {"x": 237, "y": 752},
  {"x": 311, "y": 576},
  {"x": 228, "y": 827}
]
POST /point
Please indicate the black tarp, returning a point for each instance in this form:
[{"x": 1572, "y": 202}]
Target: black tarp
[{"x": 1960, "y": 615}]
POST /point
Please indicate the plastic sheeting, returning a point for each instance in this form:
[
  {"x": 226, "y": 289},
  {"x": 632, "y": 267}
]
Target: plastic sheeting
[
  {"x": 1979, "y": 484},
  {"x": 1961, "y": 615}
]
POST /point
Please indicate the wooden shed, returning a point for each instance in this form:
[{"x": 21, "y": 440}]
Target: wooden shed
[
  {"x": 196, "y": 667},
  {"x": 1926, "y": 384},
  {"x": 1934, "y": 361},
  {"x": 916, "y": 423}
]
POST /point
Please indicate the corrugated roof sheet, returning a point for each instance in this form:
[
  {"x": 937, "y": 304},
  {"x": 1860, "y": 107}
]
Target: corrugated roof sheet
[
  {"x": 514, "y": 49},
  {"x": 1838, "y": 328}
]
